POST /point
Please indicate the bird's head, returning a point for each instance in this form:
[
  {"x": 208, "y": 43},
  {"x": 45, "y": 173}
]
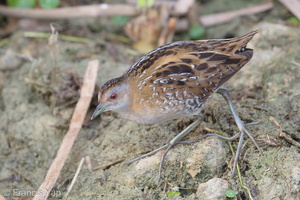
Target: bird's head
[{"x": 114, "y": 95}]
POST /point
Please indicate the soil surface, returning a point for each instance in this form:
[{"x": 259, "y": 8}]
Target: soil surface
[{"x": 37, "y": 100}]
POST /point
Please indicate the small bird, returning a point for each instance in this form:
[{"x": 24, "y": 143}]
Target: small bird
[{"x": 175, "y": 81}]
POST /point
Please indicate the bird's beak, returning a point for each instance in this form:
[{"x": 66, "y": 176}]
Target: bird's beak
[{"x": 100, "y": 109}]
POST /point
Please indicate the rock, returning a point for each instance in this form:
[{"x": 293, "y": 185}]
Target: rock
[
  {"x": 208, "y": 158},
  {"x": 213, "y": 189},
  {"x": 10, "y": 61}
]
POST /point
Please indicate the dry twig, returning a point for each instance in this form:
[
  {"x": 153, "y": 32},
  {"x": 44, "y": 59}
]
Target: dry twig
[
  {"x": 75, "y": 126},
  {"x": 70, "y": 12},
  {"x": 214, "y": 19},
  {"x": 129, "y": 10},
  {"x": 283, "y": 134},
  {"x": 181, "y": 7},
  {"x": 293, "y": 6},
  {"x": 219, "y": 18}
]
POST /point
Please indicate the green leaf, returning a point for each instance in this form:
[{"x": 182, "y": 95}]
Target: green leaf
[
  {"x": 293, "y": 20},
  {"x": 49, "y": 4},
  {"x": 172, "y": 193},
  {"x": 119, "y": 20},
  {"x": 145, "y": 3},
  {"x": 21, "y": 3},
  {"x": 271, "y": 100},
  {"x": 196, "y": 32},
  {"x": 230, "y": 193},
  {"x": 71, "y": 52}
]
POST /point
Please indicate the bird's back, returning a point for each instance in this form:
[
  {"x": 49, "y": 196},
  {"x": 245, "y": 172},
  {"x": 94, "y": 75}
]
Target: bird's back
[{"x": 178, "y": 78}]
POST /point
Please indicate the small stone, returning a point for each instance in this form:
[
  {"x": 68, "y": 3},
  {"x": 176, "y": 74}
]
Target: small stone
[
  {"x": 295, "y": 176},
  {"x": 208, "y": 157},
  {"x": 144, "y": 167},
  {"x": 213, "y": 189},
  {"x": 10, "y": 61}
]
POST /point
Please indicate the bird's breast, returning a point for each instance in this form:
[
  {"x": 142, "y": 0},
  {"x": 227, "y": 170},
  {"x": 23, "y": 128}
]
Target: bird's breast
[{"x": 158, "y": 108}]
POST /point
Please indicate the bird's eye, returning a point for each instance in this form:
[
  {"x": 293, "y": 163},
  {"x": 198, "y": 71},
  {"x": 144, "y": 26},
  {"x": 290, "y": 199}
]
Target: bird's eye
[{"x": 113, "y": 96}]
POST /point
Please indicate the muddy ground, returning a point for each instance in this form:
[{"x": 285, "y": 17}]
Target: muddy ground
[{"x": 32, "y": 127}]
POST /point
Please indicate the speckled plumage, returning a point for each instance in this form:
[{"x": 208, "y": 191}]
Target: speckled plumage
[{"x": 175, "y": 80}]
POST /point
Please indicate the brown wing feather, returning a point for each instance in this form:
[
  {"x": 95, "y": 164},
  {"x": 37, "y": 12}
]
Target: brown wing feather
[
  {"x": 200, "y": 77},
  {"x": 198, "y": 67},
  {"x": 175, "y": 50}
]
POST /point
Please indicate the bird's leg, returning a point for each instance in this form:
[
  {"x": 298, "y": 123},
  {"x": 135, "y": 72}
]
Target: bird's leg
[
  {"x": 146, "y": 154},
  {"x": 240, "y": 125},
  {"x": 182, "y": 134},
  {"x": 176, "y": 140},
  {"x": 172, "y": 143}
]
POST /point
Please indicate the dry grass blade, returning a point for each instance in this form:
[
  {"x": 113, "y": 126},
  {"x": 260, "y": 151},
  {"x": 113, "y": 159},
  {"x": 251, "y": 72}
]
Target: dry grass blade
[
  {"x": 89, "y": 163},
  {"x": 283, "y": 134},
  {"x": 109, "y": 164},
  {"x": 74, "y": 179},
  {"x": 75, "y": 126}
]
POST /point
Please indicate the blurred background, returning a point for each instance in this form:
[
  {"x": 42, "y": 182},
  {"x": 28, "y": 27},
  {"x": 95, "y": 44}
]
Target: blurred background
[{"x": 45, "y": 46}]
